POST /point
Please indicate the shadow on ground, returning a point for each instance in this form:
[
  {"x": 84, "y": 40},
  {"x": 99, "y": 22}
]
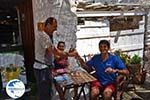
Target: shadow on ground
[{"x": 145, "y": 94}]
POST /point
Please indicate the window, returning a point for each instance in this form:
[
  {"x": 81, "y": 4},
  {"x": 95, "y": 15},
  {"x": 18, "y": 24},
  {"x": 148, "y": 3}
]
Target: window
[{"x": 9, "y": 28}]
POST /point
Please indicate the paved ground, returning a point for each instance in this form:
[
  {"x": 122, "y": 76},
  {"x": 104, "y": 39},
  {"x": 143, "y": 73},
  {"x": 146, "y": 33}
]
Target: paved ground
[{"x": 142, "y": 92}]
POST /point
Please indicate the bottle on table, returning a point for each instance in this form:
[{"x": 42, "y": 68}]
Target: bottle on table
[{"x": 71, "y": 48}]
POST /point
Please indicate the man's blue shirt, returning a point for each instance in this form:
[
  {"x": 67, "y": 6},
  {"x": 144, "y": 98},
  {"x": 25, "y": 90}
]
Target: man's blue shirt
[{"x": 100, "y": 67}]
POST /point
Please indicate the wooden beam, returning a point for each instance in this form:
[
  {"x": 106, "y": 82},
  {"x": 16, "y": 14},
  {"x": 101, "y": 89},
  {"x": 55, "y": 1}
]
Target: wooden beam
[{"x": 108, "y": 13}]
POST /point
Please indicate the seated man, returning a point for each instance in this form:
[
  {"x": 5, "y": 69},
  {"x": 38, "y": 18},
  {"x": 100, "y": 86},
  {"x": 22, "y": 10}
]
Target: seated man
[{"x": 106, "y": 66}]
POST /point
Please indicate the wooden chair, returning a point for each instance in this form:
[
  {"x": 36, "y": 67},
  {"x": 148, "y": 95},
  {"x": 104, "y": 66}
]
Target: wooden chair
[{"x": 121, "y": 84}]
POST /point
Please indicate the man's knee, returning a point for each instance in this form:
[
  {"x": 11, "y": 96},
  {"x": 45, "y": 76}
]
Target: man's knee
[{"x": 107, "y": 93}]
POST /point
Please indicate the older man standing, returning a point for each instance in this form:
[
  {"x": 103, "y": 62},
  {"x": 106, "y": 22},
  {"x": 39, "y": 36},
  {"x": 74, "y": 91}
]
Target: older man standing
[{"x": 44, "y": 52}]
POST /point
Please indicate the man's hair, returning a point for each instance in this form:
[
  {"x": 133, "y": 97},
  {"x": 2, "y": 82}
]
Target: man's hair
[
  {"x": 104, "y": 42},
  {"x": 49, "y": 20},
  {"x": 60, "y": 43}
]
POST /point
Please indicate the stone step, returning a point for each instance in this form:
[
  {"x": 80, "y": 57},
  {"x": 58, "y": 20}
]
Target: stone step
[{"x": 129, "y": 95}]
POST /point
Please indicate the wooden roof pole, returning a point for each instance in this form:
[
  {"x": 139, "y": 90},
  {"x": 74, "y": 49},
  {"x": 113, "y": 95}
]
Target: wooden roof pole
[{"x": 145, "y": 31}]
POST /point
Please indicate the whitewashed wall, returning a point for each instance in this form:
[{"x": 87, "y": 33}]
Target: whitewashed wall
[
  {"x": 115, "y": 1},
  {"x": 61, "y": 10},
  {"x": 88, "y": 38},
  {"x": 67, "y": 27},
  {"x": 148, "y": 26}
]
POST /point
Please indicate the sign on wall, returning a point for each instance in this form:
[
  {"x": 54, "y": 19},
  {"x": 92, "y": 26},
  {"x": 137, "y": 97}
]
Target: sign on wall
[{"x": 124, "y": 23}]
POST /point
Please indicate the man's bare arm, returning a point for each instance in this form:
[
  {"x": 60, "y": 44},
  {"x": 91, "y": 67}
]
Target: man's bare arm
[
  {"x": 120, "y": 71},
  {"x": 83, "y": 63},
  {"x": 52, "y": 50}
]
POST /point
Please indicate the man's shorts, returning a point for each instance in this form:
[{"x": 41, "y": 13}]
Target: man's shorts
[{"x": 102, "y": 88}]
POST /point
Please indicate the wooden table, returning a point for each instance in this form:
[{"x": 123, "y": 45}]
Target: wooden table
[{"x": 75, "y": 79}]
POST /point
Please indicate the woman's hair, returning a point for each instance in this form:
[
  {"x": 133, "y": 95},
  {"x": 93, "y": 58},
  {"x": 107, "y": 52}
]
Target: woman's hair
[
  {"x": 104, "y": 42},
  {"x": 60, "y": 43}
]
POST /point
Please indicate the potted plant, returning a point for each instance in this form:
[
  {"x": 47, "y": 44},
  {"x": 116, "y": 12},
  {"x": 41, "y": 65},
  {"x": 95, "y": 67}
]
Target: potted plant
[
  {"x": 127, "y": 59},
  {"x": 124, "y": 57},
  {"x": 139, "y": 74},
  {"x": 134, "y": 64}
]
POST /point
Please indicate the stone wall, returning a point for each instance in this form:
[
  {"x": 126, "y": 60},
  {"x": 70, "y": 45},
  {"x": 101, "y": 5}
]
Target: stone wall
[
  {"x": 63, "y": 12},
  {"x": 60, "y": 9}
]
